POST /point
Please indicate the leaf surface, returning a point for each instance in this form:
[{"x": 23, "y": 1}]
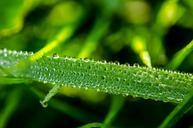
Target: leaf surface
[{"x": 148, "y": 83}]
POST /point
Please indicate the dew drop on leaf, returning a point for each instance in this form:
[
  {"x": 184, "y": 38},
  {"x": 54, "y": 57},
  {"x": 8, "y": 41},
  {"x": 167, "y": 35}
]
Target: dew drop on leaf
[{"x": 55, "y": 56}]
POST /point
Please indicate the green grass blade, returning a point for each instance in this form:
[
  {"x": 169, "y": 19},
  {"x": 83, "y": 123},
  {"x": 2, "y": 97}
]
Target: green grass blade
[
  {"x": 139, "y": 46},
  {"x": 100, "y": 28},
  {"x": 68, "y": 109},
  {"x": 180, "y": 56},
  {"x": 6, "y": 81},
  {"x": 187, "y": 103},
  {"x": 51, "y": 93},
  {"x": 10, "y": 106},
  {"x": 92, "y": 125},
  {"x": 64, "y": 34},
  {"x": 148, "y": 83},
  {"x": 116, "y": 105},
  {"x": 178, "y": 112}
]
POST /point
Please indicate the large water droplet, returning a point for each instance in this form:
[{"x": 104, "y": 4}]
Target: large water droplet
[
  {"x": 98, "y": 90},
  {"x": 55, "y": 56}
]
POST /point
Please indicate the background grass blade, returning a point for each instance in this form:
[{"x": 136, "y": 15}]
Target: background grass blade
[
  {"x": 64, "y": 34},
  {"x": 178, "y": 112},
  {"x": 148, "y": 83},
  {"x": 187, "y": 103},
  {"x": 6, "y": 81},
  {"x": 10, "y": 107},
  {"x": 99, "y": 29},
  {"x": 67, "y": 108},
  {"x": 180, "y": 56},
  {"x": 139, "y": 46},
  {"x": 116, "y": 105},
  {"x": 51, "y": 93},
  {"x": 92, "y": 125}
]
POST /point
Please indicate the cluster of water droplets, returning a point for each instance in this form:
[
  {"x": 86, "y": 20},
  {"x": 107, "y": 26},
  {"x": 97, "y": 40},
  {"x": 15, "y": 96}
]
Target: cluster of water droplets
[{"x": 157, "y": 84}]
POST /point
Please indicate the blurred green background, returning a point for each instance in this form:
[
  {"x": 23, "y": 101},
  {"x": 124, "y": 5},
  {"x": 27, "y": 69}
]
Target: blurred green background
[{"x": 146, "y": 32}]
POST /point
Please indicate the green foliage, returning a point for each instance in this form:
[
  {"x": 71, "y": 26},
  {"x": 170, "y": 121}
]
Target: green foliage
[
  {"x": 10, "y": 105},
  {"x": 179, "y": 111},
  {"x": 180, "y": 56},
  {"x": 102, "y": 91},
  {"x": 13, "y": 13},
  {"x": 187, "y": 104},
  {"x": 116, "y": 105},
  {"x": 149, "y": 83}
]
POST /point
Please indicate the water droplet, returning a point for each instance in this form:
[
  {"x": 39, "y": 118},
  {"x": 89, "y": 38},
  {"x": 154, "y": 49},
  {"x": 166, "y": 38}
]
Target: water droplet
[
  {"x": 127, "y": 64},
  {"x": 55, "y": 56},
  {"x": 171, "y": 98},
  {"x": 125, "y": 94},
  {"x": 14, "y": 52},
  {"x": 45, "y": 82},
  {"x": 30, "y": 53},
  {"x": 4, "y": 50},
  {"x": 20, "y": 52},
  {"x": 46, "y": 68},
  {"x": 117, "y": 62},
  {"x": 162, "y": 85},
  {"x": 135, "y": 65},
  {"x": 103, "y": 77},
  {"x": 25, "y": 53},
  {"x": 124, "y": 80},
  {"x": 106, "y": 90}
]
